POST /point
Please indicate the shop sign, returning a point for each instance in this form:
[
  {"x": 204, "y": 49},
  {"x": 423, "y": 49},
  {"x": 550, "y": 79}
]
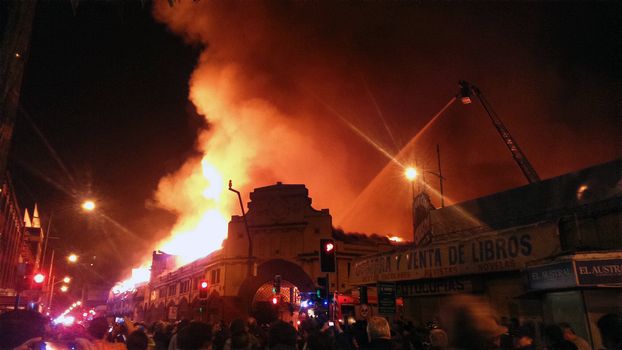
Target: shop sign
[
  {"x": 594, "y": 272},
  {"x": 386, "y": 298},
  {"x": 437, "y": 287},
  {"x": 559, "y": 275},
  {"x": 493, "y": 252}
]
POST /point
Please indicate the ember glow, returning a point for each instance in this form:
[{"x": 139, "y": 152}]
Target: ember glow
[{"x": 139, "y": 275}]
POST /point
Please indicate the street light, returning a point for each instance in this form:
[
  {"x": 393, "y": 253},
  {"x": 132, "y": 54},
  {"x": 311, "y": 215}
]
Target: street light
[
  {"x": 88, "y": 205},
  {"x": 64, "y": 288},
  {"x": 410, "y": 173},
  {"x": 72, "y": 258}
]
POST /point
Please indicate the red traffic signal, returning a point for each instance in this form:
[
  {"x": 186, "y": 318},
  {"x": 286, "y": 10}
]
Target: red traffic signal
[
  {"x": 327, "y": 255},
  {"x": 203, "y": 289},
  {"x": 38, "y": 278},
  {"x": 329, "y": 247}
]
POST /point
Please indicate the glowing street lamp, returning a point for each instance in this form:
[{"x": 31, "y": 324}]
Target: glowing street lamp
[
  {"x": 67, "y": 279},
  {"x": 64, "y": 288},
  {"x": 410, "y": 173},
  {"x": 72, "y": 258},
  {"x": 88, "y": 205}
]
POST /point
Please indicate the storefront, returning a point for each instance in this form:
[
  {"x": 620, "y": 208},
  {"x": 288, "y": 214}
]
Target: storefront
[
  {"x": 544, "y": 253},
  {"x": 578, "y": 289},
  {"x": 486, "y": 263}
]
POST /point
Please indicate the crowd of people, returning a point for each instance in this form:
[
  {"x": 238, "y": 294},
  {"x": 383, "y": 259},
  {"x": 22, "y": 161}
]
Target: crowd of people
[{"x": 467, "y": 323}]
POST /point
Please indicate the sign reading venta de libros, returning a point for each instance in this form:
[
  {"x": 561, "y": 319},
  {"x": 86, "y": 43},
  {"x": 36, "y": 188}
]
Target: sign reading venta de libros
[{"x": 491, "y": 252}]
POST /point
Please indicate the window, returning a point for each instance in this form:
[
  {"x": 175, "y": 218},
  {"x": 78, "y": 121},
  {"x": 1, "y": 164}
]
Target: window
[
  {"x": 184, "y": 287},
  {"x": 196, "y": 283},
  {"x": 172, "y": 289},
  {"x": 215, "y": 276},
  {"x": 163, "y": 292}
]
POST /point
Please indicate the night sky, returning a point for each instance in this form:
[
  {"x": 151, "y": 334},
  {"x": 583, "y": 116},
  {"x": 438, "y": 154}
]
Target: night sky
[{"x": 108, "y": 87}]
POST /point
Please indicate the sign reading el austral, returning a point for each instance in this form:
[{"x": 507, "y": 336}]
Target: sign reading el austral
[{"x": 489, "y": 252}]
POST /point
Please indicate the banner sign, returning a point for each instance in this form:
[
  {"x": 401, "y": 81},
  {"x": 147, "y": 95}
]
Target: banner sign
[
  {"x": 386, "y": 298},
  {"x": 437, "y": 287},
  {"x": 473, "y": 254},
  {"x": 595, "y": 272},
  {"x": 558, "y": 275}
]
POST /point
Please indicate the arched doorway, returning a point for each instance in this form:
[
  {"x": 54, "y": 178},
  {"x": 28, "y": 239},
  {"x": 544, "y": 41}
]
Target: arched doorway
[{"x": 256, "y": 292}]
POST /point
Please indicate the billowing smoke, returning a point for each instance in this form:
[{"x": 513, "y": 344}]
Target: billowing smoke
[{"x": 284, "y": 85}]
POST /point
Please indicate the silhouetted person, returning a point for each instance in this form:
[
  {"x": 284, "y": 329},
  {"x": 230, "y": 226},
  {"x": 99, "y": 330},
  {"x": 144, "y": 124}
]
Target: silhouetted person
[
  {"x": 379, "y": 333},
  {"x": 471, "y": 324},
  {"x": 571, "y": 336},
  {"x": 610, "y": 327},
  {"x": 282, "y": 336},
  {"x": 137, "y": 340},
  {"x": 359, "y": 328},
  {"x": 554, "y": 337},
  {"x": 98, "y": 331},
  {"x": 21, "y": 327},
  {"x": 196, "y": 336},
  {"x": 438, "y": 339}
]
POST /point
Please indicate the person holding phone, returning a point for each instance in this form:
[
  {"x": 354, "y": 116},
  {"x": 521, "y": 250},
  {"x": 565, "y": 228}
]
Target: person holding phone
[{"x": 98, "y": 331}]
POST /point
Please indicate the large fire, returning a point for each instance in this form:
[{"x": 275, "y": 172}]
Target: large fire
[{"x": 252, "y": 137}]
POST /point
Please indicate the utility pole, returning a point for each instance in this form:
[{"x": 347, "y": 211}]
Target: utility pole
[{"x": 248, "y": 234}]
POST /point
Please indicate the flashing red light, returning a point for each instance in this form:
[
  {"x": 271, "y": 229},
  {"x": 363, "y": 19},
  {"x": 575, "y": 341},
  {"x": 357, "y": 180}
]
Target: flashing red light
[
  {"x": 329, "y": 247},
  {"x": 204, "y": 284},
  {"x": 275, "y": 300},
  {"x": 38, "y": 278}
]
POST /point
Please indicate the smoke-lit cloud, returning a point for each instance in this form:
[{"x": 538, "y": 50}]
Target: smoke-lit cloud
[{"x": 279, "y": 82}]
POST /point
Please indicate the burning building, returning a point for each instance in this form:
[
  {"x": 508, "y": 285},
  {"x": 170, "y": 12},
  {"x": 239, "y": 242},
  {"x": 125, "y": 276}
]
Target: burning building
[{"x": 284, "y": 231}]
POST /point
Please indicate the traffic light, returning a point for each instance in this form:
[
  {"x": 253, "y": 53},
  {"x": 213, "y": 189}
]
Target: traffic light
[
  {"x": 277, "y": 284},
  {"x": 37, "y": 280},
  {"x": 322, "y": 290},
  {"x": 203, "y": 289},
  {"x": 327, "y": 255}
]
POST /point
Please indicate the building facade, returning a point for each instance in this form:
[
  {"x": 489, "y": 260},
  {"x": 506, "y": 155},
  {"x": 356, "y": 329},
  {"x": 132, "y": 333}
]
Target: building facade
[
  {"x": 544, "y": 253},
  {"x": 285, "y": 232},
  {"x": 20, "y": 250}
]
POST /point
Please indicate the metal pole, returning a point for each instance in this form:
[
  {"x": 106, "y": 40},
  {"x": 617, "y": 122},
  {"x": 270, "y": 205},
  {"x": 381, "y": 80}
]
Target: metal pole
[
  {"x": 250, "y": 242},
  {"x": 47, "y": 237},
  {"x": 412, "y": 209},
  {"x": 51, "y": 266},
  {"x": 17, "y": 300},
  {"x": 440, "y": 174},
  {"x": 51, "y": 294}
]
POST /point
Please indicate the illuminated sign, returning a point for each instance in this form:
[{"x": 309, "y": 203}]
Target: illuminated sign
[{"x": 473, "y": 254}]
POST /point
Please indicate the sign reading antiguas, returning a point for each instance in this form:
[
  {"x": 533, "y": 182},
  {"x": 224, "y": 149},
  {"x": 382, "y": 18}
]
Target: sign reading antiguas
[{"x": 489, "y": 252}]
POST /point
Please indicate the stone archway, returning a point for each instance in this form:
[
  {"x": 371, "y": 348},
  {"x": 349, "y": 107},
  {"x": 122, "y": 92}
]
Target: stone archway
[{"x": 292, "y": 276}]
